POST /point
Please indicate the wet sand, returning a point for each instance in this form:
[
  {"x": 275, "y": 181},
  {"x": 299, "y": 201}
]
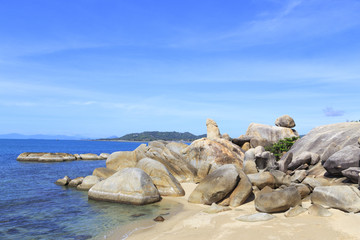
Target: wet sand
[{"x": 192, "y": 223}]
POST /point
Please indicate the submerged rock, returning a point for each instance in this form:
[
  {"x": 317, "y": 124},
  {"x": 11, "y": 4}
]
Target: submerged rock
[
  {"x": 130, "y": 186},
  {"x": 76, "y": 181},
  {"x": 63, "y": 181}
]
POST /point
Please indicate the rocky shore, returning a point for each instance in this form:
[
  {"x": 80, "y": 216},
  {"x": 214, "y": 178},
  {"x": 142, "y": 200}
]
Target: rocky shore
[
  {"x": 59, "y": 157},
  {"x": 318, "y": 173}
]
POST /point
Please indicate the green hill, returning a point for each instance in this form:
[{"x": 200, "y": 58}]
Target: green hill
[{"x": 156, "y": 135}]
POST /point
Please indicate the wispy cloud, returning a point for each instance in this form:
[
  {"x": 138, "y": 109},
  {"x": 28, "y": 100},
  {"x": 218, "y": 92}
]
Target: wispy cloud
[{"x": 330, "y": 112}]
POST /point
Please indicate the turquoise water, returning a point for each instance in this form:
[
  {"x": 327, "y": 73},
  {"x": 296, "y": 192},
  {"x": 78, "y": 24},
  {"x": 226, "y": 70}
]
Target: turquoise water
[{"x": 33, "y": 207}]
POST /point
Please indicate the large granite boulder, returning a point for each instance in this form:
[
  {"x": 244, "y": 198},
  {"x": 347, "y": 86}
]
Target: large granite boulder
[
  {"x": 242, "y": 191},
  {"x": 328, "y": 139},
  {"x": 352, "y": 174},
  {"x": 285, "y": 121},
  {"x": 277, "y": 201},
  {"x": 213, "y": 131},
  {"x": 216, "y": 153},
  {"x": 130, "y": 186},
  {"x": 121, "y": 159},
  {"x": 271, "y": 134},
  {"x": 284, "y": 161},
  {"x": 346, "y": 198},
  {"x": 165, "y": 182},
  {"x": 347, "y": 157},
  {"x": 215, "y": 186},
  {"x": 262, "y": 179},
  {"x": 302, "y": 158},
  {"x": 103, "y": 172},
  {"x": 88, "y": 182}
]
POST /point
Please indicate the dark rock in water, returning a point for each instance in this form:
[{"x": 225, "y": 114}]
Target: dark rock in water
[
  {"x": 347, "y": 157},
  {"x": 159, "y": 219},
  {"x": 75, "y": 182},
  {"x": 64, "y": 181},
  {"x": 352, "y": 174},
  {"x": 324, "y": 139},
  {"x": 277, "y": 201},
  {"x": 215, "y": 186}
]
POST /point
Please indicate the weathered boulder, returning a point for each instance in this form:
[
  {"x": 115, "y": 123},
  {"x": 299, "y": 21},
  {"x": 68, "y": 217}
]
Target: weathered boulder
[
  {"x": 240, "y": 141},
  {"x": 258, "y": 141},
  {"x": 347, "y": 157},
  {"x": 242, "y": 191},
  {"x": 266, "y": 161},
  {"x": 76, "y": 181},
  {"x": 270, "y": 133},
  {"x": 213, "y": 131},
  {"x": 319, "y": 211},
  {"x": 157, "y": 144},
  {"x": 312, "y": 182},
  {"x": 250, "y": 167},
  {"x": 302, "y": 158},
  {"x": 352, "y": 174},
  {"x": 285, "y": 121},
  {"x": 130, "y": 186},
  {"x": 63, "y": 181},
  {"x": 250, "y": 155},
  {"x": 262, "y": 179},
  {"x": 280, "y": 178},
  {"x": 295, "y": 211},
  {"x": 88, "y": 182},
  {"x": 216, "y": 152},
  {"x": 215, "y": 186},
  {"x": 246, "y": 146},
  {"x": 346, "y": 198},
  {"x": 284, "y": 161},
  {"x": 226, "y": 137},
  {"x": 303, "y": 189},
  {"x": 326, "y": 140},
  {"x": 278, "y": 201},
  {"x": 164, "y": 181},
  {"x": 45, "y": 157},
  {"x": 298, "y": 176},
  {"x": 317, "y": 170},
  {"x": 121, "y": 159},
  {"x": 90, "y": 156},
  {"x": 256, "y": 217},
  {"x": 103, "y": 172}
]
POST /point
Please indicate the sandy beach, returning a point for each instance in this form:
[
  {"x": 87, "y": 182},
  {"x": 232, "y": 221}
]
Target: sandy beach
[{"x": 192, "y": 223}]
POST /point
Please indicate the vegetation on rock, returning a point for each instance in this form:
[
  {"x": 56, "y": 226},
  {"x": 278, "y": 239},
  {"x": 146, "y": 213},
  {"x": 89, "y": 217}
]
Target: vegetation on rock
[{"x": 281, "y": 146}]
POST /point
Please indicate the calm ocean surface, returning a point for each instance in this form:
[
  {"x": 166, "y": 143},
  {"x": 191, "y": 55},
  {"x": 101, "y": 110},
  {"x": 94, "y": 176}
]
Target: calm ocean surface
[{"x": 33, "y": 207}]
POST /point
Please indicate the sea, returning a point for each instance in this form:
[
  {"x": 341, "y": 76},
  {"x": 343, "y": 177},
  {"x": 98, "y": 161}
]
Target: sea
[{"x": 33, "y": 207}]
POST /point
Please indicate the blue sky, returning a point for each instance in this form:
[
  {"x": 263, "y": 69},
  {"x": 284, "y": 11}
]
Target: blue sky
[{"x": 111, "y": 67}]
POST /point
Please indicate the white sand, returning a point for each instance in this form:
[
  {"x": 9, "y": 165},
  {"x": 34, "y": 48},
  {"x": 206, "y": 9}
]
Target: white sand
[{"x": 192, "y": 223}]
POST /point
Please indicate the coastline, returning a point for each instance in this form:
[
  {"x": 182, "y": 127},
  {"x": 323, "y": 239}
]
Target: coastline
[{"x": 192, "y": 223}]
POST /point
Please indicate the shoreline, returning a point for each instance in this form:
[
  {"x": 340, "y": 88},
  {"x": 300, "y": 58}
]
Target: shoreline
[{"x": 192, "y": 223}]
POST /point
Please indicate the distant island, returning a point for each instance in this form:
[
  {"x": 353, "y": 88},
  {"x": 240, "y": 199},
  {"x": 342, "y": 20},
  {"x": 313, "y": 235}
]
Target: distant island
[{"x": 156, "y": 135}]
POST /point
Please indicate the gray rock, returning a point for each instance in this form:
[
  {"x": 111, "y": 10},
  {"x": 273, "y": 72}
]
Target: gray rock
[
  {"x": 347, "y": 157},
  {"x": 226, "y": 137},
  {"x": 130, "y": 186},
  {"x": 76, "y": 181},
  {"x": 312, "y": 182},
  {"x": 352, "y": 174},
  {"x": 285, "y": 161},
  {"x": 258, "y": 141},
  {"x": 298, "y": 176},
  {"x": 285, "y": 121},
  {"x": 270, "y": 133},
  {"x": 157, "y": 144},
  {"x": 303, "y": 189},
  {"x": 259, "y": 150},
  {"x": 278, "y": 201},
  {"x": 214, "y": 208},
  {"x": 242, "y": 191},
  {"x": 250, "y": 167},
  {"x": 304, "y": 157},
  {"x": 317, "y": 170},
  {"x": 88, "y": 182},
  {"x": 346, "y": 198},
  {"x": 295, "y": 211},
  {"x": 324, "y": 139},
  {"x": 257, "y": 217},
  {"x": 315, "y": 158},
  {"x": 319, "y": 211},
  {"x": 164, "y": 181},
  {"x": 63, "y": 181},
  {"x": 240, "y": 141},
  {"x": 262, "y": 179},
  {"x": 215, "y": 186},
  {"x": 250, "y": 155},
  {"x": 280, "y": 178},
  {"x": 213, "y": 131},
  {"x": 103, "y": 172}
]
